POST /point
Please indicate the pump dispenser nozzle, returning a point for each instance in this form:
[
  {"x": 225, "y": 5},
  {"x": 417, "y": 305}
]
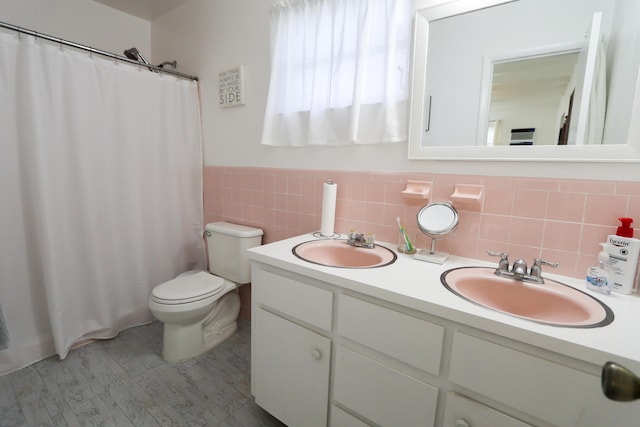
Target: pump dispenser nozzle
[
  {"x": 604, "y": 254},
  {"x": 625, "y": 229},
  {"x": 598, "y": 276}
]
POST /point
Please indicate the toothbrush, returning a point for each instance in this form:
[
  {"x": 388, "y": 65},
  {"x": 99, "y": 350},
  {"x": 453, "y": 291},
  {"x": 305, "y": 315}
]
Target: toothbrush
[{"x": 404, "y": 236}]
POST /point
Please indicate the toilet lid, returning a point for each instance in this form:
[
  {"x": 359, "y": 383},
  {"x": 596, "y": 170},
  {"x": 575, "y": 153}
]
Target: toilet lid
[{"x": 188, "y": 288}]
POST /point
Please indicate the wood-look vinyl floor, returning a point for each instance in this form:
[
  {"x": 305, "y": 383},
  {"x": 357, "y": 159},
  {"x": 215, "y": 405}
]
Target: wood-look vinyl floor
[{"x": 125, "y": 382}]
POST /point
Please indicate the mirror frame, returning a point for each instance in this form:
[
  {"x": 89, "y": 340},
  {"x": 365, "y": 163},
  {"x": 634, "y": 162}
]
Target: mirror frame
[
  {"x": 440, "y": 232},
  {"x": 430, "y": 10}
]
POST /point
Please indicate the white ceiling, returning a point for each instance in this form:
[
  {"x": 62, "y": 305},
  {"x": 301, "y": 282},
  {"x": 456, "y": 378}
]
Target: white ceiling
[
  {"x": 145, "y": 9},
  {"x": 539, "y": 81}
]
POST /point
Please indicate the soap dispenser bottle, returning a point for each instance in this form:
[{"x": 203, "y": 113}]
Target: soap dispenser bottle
[
  {"x": 624, "y": 251},
  {"x": 598, "y": 276}
]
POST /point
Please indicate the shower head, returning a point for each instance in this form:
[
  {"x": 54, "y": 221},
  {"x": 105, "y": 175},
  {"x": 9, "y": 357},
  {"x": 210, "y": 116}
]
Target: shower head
[
  {"x": 131, "y": 53},
  {"x": 135, "y": 54}
]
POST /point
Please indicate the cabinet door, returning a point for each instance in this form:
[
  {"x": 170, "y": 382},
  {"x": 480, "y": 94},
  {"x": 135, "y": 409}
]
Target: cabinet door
[
  {"x": 291, "y": 371},
  {"x": 381, "y": 394},
  {"x": 462, "y": 412}
]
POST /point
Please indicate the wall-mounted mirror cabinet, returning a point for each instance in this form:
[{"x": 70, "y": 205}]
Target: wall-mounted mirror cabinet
[{"x": 550, "y": 80}]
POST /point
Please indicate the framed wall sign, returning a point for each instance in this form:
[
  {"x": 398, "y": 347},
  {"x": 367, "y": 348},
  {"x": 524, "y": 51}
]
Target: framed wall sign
[{"x": 231, "y": 83}]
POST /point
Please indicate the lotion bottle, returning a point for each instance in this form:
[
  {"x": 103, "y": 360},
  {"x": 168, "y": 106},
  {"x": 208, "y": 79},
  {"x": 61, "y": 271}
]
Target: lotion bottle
[
  {"x": 598, "y": 276},
  {"x": 624, "y": 252}
]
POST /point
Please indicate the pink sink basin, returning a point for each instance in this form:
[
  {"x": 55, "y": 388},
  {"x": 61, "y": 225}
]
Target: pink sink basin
[
  {"x": 552, "y": 303},
  {"x": 336, "y": 253}
]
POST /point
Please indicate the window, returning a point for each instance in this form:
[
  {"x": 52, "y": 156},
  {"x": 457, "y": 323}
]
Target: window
[{"x": 339, "y": 72}]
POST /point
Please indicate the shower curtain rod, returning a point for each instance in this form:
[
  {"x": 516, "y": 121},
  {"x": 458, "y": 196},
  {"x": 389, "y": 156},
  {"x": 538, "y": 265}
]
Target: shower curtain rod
[{"x": 92, "y": 50}]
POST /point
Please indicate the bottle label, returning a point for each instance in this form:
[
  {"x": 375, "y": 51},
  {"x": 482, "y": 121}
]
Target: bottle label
[{"x": 596, "y": 280}]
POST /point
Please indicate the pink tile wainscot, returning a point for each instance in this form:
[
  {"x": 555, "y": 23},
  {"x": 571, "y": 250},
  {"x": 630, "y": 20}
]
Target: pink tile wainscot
[{"x": 555, "y": 219}]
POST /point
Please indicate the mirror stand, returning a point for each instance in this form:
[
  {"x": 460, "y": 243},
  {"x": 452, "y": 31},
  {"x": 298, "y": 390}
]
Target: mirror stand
[
  {"x": 431, "y": 255},
  {"x": 436, "y": 220}
]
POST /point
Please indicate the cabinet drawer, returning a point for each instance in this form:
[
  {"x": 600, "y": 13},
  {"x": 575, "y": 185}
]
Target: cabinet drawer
[
  {"x": 340, "y": 418},
  {"x": 406, "y": 338},
  {"x": 460, "y": 410},
  {"x": 292, "y": 297},
  {"x": 541, "y": 388},
  {"x": 381, "y": 394}
]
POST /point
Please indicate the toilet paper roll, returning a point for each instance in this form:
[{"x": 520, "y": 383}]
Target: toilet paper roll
[{"x": 329, "y": 191}]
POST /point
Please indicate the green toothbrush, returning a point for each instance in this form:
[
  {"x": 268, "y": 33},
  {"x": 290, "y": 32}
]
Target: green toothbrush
[{"x": 404, "y": 236}]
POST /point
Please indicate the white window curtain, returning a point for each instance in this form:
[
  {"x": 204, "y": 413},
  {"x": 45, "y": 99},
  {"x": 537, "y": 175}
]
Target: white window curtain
[
  {"x": 101, "y": 195},
  {"x": 339, "y": 72}
]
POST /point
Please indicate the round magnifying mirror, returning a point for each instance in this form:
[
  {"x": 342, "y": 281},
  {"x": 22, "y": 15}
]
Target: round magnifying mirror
[{"x": 435, "y": 220}]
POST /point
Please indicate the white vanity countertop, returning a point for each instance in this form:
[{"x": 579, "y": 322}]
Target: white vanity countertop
[{"x": 416, "y": 284}]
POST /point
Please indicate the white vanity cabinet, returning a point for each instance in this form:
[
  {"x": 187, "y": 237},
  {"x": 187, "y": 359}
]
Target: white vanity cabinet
[
  {"x": 377, "y": 374},
  {"x": 324, "y": 354}
]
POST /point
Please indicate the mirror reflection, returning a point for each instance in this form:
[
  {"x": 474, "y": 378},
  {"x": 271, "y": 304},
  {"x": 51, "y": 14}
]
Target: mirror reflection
[
  {"x": 531, "y": 72},
  {"x": 531, "y": 98}
]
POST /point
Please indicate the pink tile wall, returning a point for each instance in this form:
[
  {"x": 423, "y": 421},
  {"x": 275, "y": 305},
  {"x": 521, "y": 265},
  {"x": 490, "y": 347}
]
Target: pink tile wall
[{"x": 560, "y": 220}]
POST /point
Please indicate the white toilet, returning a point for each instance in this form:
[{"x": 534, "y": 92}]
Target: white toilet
[{"x": 199, "y": 308}]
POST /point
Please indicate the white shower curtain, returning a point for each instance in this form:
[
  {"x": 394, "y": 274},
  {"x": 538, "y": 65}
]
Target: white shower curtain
[{"x": 100, "y": 194}]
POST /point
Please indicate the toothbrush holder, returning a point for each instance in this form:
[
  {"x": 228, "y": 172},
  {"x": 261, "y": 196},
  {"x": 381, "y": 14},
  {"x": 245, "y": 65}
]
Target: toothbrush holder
[{"x": 402, "y": 246}]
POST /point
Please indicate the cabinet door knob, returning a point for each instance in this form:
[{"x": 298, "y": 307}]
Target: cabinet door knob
[
  {"x": 619, "y": 383},
  {"x": 461, "y": 423},
  {"x": 316, "y": 354}
]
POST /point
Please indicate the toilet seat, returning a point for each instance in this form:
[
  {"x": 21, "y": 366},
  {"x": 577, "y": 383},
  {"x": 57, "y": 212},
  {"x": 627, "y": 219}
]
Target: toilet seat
[{"x": 188, "y": 288}]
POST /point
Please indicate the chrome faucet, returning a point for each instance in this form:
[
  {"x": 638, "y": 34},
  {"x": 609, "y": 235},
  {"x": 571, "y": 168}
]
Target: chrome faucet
[
  {"x": 361, "y": 240},
  {"x": 519, "y": 269}
]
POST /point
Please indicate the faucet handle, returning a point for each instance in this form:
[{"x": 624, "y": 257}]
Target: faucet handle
[
  {"x": 502, "y": 255},
  {"x": 503, "y": 265},
  {"x": 536, "y": 268},
  {"x": 537, "y": 262}
]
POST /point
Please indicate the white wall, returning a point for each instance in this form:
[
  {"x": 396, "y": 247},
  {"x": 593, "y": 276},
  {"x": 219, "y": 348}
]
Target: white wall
[
  {"x": 622, "y": 68},
  {"x": 208, "y": 37},
  {"x": 81, "y": 21}
]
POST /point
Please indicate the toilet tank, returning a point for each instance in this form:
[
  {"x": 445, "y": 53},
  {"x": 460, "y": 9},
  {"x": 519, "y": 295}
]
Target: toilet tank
[{"x": 226, "y": 247}]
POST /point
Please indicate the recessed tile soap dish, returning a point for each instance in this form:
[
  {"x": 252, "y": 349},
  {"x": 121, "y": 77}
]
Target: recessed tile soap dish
[{"x": 468, "y": 197}]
